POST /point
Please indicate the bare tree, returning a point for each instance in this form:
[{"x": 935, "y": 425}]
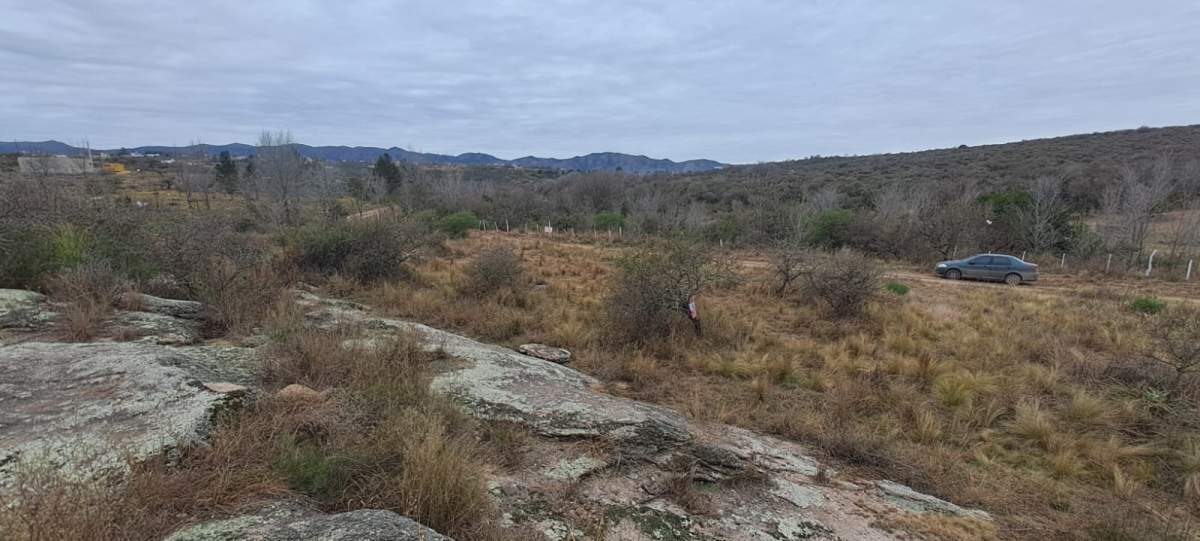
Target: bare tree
[
  {"x": 947, "y": 220},
  {"x": 1131, "y": 204},
  {"x": 280, "y": 169},
  {"x": 1183, "y": 232},
  {"x": 645, "y": 210},
  {"x": 824, "y": 200},
  {"x": 1039, "y": 221},
  {"x": 192, "y": 174},
  {"x": 788, "y": 263},
  {"x": 599, "y": 190}
]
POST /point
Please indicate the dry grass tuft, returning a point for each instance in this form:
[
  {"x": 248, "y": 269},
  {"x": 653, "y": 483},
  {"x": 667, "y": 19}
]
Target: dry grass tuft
[
  {"x": 378, "y": 440},
  {"x": 89, "y": 290}
]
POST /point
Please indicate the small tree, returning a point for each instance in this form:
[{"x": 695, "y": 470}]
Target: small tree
[
  {"x": 250, "y": 178},
  {"x": 654, "y": 288},
  {"x": 226, "y": 173},
  {"x": 1176, "y": 334},
  {"x": 456, "y": 225},
  {"x": 787, "y": 262},
  {"x": 387, "y": 171},
  {"x": 830, "y": 228},
  {"x": 609, "y": 220},
  {"x": 280, "y": 169}
]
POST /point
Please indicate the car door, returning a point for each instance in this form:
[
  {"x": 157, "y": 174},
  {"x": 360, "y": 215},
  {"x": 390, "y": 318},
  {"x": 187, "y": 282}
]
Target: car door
[
  {"x": 1000, "y": 266},
  {"x": 977, "y": 267}
]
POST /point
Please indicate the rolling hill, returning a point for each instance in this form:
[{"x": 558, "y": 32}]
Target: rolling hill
[
  {"x": 1089, "y": 161},
  {"x": 602, "y": 161}
]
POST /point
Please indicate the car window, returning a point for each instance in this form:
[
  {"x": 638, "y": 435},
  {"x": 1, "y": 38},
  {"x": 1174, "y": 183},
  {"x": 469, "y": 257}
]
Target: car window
[
  {"x": 979, "y": 260},
  {"x": 1002, "y": 261}
]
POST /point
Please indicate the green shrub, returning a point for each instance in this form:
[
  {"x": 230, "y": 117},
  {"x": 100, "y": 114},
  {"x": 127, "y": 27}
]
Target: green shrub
[
  {"x": 830, "y": 229},
  {"x": 456, "y": 225},
  {"x": 897, "y": 288},
  {"x": 1148, "y": 305},
  {"x": 608, "y": 220},
  {"x": 29, "y": 256},
  {"x": 70, "y": 245},
  {"x": 312, "y": 470},
  {"x": 26, "y": 257}
]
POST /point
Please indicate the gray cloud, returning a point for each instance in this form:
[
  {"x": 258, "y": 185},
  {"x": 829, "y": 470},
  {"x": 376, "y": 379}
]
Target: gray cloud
[{"x": 736, "y": 81}]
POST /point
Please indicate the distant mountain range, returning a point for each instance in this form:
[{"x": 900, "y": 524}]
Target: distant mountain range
[{"x": 600, "y": 161}]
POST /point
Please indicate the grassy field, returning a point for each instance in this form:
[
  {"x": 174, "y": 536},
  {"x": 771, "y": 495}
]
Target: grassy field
[{"x": 1036, "y": 403}]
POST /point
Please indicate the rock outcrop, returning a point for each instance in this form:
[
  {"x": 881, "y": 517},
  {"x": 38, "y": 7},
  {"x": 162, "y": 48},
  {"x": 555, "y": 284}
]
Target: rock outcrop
[
  {"x": 146, "y": 318},
  {"x": 167, "y": 307},
  {"x": 85, "y": 407},
  {"x": 20, "y": 309},
  {"x": 596, "y": 466},
  {"x": 499, "y": 384},
  {"x": 292, "y": 522},
  {"x": 654, "y": 474}
]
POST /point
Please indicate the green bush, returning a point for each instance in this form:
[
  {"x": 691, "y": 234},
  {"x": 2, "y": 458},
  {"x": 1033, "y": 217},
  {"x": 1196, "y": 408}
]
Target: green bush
[
  {"x": 608, "y": 220},
  {"x": 25, "y": 258},
  {"x": 1148, "y": 305},
  {"x": 897, "y": 288},
  {"x": 456, "y": 225},
  {"x": 28, "y": 256},
  {"x": 830, "y": 229},
  {"x": 70, "y": 244}
]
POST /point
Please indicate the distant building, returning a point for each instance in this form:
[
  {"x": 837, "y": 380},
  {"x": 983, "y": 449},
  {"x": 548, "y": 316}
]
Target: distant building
[{"x": 54, "y": 165}]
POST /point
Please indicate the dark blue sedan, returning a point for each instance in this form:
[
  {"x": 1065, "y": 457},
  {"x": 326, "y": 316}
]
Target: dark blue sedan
[{"x": 992, "y": 267}]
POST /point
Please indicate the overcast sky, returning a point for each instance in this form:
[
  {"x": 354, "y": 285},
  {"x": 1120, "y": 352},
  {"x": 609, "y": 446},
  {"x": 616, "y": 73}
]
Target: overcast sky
[{"x": 738, "y": 81}]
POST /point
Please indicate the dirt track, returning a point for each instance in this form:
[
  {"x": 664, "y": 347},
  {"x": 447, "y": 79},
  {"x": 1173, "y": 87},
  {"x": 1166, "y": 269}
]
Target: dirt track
[{"x": 1048, "y": 284}]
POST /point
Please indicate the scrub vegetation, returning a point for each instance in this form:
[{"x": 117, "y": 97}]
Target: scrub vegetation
[{"x": 792, "y": 298}]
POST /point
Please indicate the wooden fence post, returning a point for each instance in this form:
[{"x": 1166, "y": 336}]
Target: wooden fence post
[
  {"x": 1108, "y": 264},
  {"x": 1188, "y": 277},
  {"x": 1150, "y": 264}
]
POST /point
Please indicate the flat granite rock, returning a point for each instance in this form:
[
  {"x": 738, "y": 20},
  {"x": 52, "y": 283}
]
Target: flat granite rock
[
  {"x": 497, "y": 383},
  {"x": 292, "y": 522},
  {"x": 22, "y": 309},
  {"x": 85, "y": 407},
  {"x": 544, "y": 352},
  {"x": 167, "y": 307},
  {"x": 157, "y": 328}
]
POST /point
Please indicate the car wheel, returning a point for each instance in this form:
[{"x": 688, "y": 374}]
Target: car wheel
[
  {"x": 1012, "y": 279},
  {"x": 953, "y": 274}
]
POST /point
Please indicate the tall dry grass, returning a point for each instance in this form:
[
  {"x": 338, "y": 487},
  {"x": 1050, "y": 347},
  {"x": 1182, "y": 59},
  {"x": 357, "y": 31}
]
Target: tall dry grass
[
  {"x": 89, "y": 290},
  {"x": 1038, "y": 406}
]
